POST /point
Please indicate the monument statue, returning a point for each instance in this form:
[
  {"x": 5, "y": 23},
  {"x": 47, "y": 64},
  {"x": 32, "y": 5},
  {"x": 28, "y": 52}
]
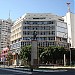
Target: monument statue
[{"x": 34, "y": 35}]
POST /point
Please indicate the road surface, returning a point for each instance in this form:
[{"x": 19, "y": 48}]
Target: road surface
[{"x": 5, "y": 71}]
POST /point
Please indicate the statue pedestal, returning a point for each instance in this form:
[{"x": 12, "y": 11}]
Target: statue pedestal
[{"x": 34, "y": 58}]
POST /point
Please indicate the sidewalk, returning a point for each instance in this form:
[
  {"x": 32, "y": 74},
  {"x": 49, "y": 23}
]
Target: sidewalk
[
  {"x": 40, "y": 69},
  {"x": 25, "y": 70},
  {"x": 5, "y": 66},
  {"x": 57, "y": 67},
  {"x": 46, "y": 67}
]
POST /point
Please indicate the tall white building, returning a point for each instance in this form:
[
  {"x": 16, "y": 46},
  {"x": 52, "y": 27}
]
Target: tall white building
[
  {"x": 69, "y": 18},
  {"x": 51, "y": 30},
  {"x": 5, "y": 27}
]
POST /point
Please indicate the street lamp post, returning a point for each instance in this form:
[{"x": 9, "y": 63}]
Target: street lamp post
[
  {"x": 64, "y": 54},
  {"x": 70, "y": 57},
  {"x": 64, "y": 60},
  {"x": 70, "y": 51},
  {"x": 17, "y": 57},
  {"x": 4, "y": 61}
]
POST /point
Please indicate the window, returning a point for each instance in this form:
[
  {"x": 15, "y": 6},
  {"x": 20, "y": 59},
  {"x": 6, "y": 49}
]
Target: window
[
  {"x": 22, "y": 43},
  {"x": 33, "y": 28},
  {"x": 40, "y": 18},
  {"x": 44, "y": 33},
  {"x": 36, "y": 28},
  {"x": 51, "y": 38},
  {"x": 51, "y": 43},
  {"x": 35, "y": 22},
  {"x": 44, "y": 27},
  {"x": 31, "y": 23},
  {"x": 52, "y": 27},
  {"x": 53, "y": 32},
  {"x": 40, "y": 23},
  {"x": 28, "y": 33},
  {"x": 24, "y": 32},
  {"x": 51, "y": 22},
  {"x": 24, "y": 27},
  {"x": 61, "y": 20},
  {"x": 41, "y": 33},
  {"x": 45, "y": 23}
]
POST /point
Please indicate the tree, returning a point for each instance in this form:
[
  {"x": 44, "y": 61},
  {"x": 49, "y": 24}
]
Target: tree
[
  {"x": 52, "y": 54},
  {"x": 9, "y": 58},
  {"x": 25, "y": 53},
  {"x": 58, "y": 54},
  {"x": 47, "y": 55}
]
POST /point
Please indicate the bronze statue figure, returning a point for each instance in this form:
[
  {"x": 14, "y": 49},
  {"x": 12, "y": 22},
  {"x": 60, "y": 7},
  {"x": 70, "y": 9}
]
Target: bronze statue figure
[{"x": 34, "y": 35}]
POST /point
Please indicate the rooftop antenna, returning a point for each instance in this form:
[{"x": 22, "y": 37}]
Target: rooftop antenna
[
  {"x": 68, "y": 4},
  {"x": 9, "y": 14},
  {"x": 9, "y": 17}
]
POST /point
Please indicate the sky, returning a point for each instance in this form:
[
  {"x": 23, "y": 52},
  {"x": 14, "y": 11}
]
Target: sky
[{"x": 19, "y": 7}]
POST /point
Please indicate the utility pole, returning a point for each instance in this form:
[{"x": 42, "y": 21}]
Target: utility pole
[{"x": 70, "y": 51}]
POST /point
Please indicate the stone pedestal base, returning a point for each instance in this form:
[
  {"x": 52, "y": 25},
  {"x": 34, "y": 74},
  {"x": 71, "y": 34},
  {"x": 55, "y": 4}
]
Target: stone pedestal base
[{"x": 34, "y": 60}]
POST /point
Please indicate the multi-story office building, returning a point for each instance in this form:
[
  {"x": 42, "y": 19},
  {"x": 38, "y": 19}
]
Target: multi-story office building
[
  {"x": 51, "y": 30},
  {"x": 5, "y": 28}
]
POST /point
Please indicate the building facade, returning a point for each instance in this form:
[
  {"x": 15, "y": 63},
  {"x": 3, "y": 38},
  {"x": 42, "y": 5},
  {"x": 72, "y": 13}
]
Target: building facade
[
  {"x": 5, "y": 28},
  {"x": 51, "y": 31},
  {"x": 69, "y": 19},
  {"x": 4, "y": 53}
]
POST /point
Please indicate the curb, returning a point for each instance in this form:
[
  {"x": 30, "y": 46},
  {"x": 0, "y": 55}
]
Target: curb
[{"x": 34, "y": 70}]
